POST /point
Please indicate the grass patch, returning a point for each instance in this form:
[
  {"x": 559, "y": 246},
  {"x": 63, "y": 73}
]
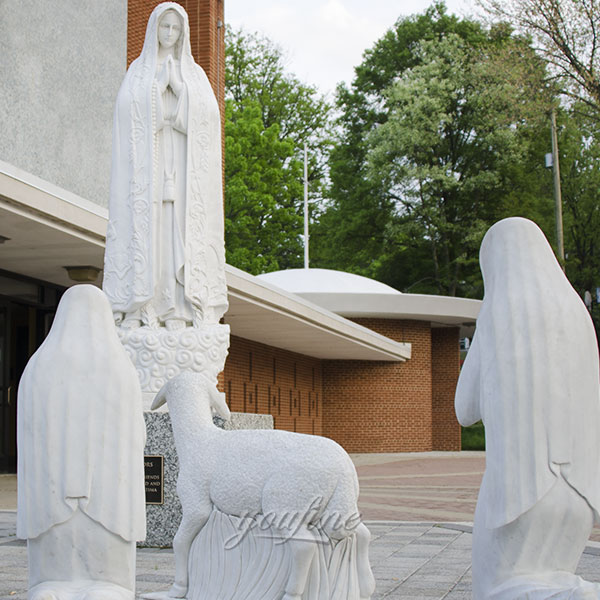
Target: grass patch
[{"x": 473, "y": 437}]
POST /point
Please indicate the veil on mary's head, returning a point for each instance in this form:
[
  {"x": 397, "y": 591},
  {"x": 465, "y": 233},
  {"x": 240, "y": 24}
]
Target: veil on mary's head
[{"x": 150, "y": 48}]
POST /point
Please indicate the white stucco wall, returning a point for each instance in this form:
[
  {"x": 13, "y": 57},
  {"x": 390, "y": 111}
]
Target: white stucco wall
[{"x": 61, "y": 64}]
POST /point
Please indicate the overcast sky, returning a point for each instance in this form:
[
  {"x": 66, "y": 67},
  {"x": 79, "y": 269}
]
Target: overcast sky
[{"x": 324, "y": 39}]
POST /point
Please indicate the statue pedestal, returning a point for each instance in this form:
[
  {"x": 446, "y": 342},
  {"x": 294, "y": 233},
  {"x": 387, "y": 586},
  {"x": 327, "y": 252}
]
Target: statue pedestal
[{"x": 159, "y": 355}]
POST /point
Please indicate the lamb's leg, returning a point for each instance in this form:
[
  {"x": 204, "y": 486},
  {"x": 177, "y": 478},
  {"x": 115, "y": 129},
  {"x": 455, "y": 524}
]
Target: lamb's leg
[
  {"x": 366, "y": 581},
  {"x": 303, "y": 547},
  {"x": 190, "y": 526}
]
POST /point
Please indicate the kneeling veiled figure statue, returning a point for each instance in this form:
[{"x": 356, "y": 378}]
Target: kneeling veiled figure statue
[
  {"x": 81, "y": 438},
  {"x": 532, "y": 376}
]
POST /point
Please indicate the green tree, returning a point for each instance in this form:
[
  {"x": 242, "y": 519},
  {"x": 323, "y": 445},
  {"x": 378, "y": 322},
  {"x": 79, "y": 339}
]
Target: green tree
[
  {"x": 452, "y": 150},
  {"x": 353, "y": 232},
  {"x": 263, "y": 188},
  {"x": 440, "y": 136},
  {"x": 566, "y": 33},
  {"x": 270, "y": 115},
  {"x": 579, "y": 143}
]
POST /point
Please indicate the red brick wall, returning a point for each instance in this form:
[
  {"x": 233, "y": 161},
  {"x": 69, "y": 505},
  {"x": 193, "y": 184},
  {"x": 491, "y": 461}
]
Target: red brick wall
[
  {"x": 267, "y": 380},
  {"x": 381, "y": 406},
  {"x": 445, "y": 368},
  {"x": 396, "y": 407},
  {"x": 207, "y": 38},
  {"x": 366, "y": 406}
]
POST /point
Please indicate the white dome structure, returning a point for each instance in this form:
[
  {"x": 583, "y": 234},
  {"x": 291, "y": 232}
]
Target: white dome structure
[
  {"x": 325, "y": 281},
  {"x": 354, "y": 296}
]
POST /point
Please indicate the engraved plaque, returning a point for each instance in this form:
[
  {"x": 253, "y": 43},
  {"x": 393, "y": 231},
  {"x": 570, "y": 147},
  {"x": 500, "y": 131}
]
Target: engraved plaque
[{"x": 154, "y": 479}]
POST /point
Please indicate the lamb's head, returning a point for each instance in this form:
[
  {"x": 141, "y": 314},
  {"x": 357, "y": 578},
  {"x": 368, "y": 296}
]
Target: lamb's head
[{"x": 189, "y": 384}]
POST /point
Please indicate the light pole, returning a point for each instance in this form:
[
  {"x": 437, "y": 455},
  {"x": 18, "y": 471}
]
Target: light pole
[
  {"x": 305, "y": 207},
  {"x": 557, "y": 193}
]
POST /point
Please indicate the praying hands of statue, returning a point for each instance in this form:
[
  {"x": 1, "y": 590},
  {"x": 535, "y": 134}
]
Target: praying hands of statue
[
  {"x": 168, "y": 76},
  {"x": 175, "y": 80},
  {"x": 162, "y": 76}
]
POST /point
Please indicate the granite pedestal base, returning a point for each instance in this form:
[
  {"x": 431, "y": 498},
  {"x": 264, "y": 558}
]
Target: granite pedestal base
[{"x": 158, "y": 355}]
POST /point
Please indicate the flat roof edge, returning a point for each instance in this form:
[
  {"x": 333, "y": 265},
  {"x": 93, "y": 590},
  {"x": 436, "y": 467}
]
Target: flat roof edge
[
  {"x": 27, "y": 194},
  {"x": 250, "y": 289},
  {"x": 420, "y": 307}
]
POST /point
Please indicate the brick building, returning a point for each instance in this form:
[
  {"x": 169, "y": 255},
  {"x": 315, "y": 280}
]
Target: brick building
[
  {"x": 385, "y": 405},
  {"x": 376, "y": 377}
]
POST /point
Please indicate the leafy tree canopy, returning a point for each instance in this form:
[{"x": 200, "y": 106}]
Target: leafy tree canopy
[
  {"x": 566, "y": 33},
  {"x": 451, "y": 151},
  {"x": 579, "y": 142},
  {"x": 351, "y": 234},
  {"x": 433, "y": 152},
  {"x": 270, "y": 114},
  {"x": 441, "y": 133}
]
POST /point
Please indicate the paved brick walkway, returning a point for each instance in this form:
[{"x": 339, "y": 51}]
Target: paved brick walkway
[
  {"x": 422, "y": 486},
  {"x": 436, "y": 486}
]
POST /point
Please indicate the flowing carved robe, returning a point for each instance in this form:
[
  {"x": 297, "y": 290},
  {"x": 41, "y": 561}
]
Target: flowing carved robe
[
  {"x": 532, "y": 376},
  {"x": 132, "y": 268},
  {"x": 81, "y": 429}
]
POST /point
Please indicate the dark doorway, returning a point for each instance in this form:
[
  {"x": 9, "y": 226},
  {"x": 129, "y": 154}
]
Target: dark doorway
[{"x": 25, "y": 319}]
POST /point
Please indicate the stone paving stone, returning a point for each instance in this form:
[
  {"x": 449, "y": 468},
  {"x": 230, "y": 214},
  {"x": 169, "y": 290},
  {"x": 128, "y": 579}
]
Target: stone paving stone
[
  {"x": 154, "y": 570},
  {"x": 411, "y": 561},
  {"x": 414, "y": 594},
  {"x": 436, "y": 577},
  {"x": 384, "y": 589},
  {"x": 8, "y": 520},
  {"x": 13, "y": 571},
  {"x": 459, "y": 595},
  {"x": 418, "y": 551},
  {"x": 436, "y": 540},
  {"x": 589, "y": 567}
]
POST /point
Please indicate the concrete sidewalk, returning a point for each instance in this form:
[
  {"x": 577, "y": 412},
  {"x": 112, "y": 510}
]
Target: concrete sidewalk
[
  {"x": 410, "y": 560},
  {"x": 417, "y": 506}
]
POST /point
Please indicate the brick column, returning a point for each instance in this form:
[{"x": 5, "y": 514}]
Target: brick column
[
  {"x": 445, "y": 367},
  {"x": 381, "y": 406}
]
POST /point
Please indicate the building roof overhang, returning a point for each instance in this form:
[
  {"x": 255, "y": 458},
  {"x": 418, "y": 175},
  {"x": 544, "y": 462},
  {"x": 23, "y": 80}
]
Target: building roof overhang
[
  {"x": 272, "y": 316},
  {"x": 439, "y": 310},
  {"x": 48, "y": 229},
  {"x": 354, "y": 296}
]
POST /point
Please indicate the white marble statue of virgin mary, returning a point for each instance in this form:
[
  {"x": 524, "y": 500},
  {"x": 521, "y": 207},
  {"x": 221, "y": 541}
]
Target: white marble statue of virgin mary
[
  {"x": 81, "y": 437},
  {"x": 165, "y": 257},
  {"x": 532, "y": 376}
]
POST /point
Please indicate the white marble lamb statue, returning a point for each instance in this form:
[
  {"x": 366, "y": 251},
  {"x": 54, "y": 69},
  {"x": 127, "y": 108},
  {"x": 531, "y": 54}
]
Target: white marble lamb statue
[
  {"x": 269, "y": 515},
  {"x": 532, "y": 375}
]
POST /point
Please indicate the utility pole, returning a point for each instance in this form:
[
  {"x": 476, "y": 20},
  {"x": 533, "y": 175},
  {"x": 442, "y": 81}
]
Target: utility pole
[
  {"x": 305, "y": 207},
  {"x": 557, "y": 193}
]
